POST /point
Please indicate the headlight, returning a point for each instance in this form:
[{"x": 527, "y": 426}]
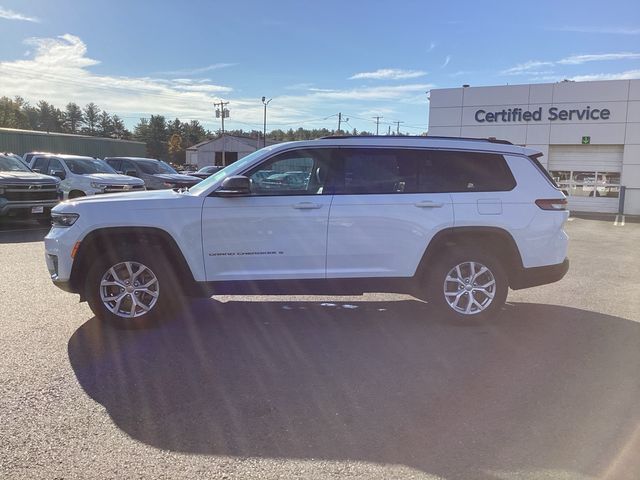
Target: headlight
[
  {"x": 63, "y": 219},
  {"x": 99, "y": 186}
]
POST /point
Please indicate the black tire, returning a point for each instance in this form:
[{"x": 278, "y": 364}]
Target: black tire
[
  {"x": 169, "y": 293},
  {"x": 463, "y": 256}
]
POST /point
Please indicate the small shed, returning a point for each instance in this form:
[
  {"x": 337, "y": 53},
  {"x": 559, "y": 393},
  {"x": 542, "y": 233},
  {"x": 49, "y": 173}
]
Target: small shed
[{"x": 210, "y": 152}]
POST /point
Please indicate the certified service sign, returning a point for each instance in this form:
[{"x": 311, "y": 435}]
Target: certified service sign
[{"x": 552, "y": 114}]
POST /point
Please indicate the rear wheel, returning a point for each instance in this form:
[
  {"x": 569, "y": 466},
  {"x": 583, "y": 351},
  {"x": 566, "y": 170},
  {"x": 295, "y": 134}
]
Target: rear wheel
[
  {"x": 132, "y": 288},
  {"x": 467, "y": 284}
]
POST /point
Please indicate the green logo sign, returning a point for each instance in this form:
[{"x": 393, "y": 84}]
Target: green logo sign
[{"x": 586, "y": 140}]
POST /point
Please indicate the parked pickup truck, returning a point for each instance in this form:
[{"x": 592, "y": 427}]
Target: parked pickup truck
[{"x": 24, "y": 193}]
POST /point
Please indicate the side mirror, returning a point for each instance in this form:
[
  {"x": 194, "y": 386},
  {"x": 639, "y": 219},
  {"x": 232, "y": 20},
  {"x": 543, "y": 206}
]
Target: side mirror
[
  {"x": 236, "y": 185},
  {"x": 59, "y": 173},
  {"x": 131, "y": 173}
]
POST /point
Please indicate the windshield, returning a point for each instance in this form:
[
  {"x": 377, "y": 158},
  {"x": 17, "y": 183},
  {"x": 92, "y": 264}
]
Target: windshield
[
  {"x": 229, "y": 170},
  {"x": 153, "y": 167},
  {"x": 87, "y": 166},
  {"x": 10, "y": 164}
]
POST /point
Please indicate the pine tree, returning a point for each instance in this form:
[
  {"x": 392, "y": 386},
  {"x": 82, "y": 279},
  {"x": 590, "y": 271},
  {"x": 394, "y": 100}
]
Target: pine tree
[
  {"x": 91, "y": 113},
  {"x": 73, "y": 118}
]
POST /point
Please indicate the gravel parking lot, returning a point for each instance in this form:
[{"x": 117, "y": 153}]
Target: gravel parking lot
[{"x": 308, "y": 387}]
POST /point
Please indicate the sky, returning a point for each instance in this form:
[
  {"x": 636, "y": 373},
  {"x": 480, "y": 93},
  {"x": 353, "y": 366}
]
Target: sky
[{"x": 313, "y": 59}]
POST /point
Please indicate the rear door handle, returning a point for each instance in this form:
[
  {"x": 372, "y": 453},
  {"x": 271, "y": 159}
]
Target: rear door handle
[
  {"x": 428, "y": 204},
  {"x": 306, "y": 206}
]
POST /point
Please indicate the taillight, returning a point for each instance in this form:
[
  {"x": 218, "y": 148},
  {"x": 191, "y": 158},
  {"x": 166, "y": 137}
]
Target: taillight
[{"x": 552, "y": 203}]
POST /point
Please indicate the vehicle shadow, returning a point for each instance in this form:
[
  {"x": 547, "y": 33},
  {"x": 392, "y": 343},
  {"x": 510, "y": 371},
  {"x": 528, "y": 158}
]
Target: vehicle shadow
[
  {"x": 542, "y": 388},
  {"x": 22, "y": 231}
]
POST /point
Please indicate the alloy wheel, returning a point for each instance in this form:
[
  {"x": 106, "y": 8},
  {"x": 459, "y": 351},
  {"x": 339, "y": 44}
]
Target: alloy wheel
[
  {"x": 129, "y": 289},
  {"x": 469, "y": 288}
]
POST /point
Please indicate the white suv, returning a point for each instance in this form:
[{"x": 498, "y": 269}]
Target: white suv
[
  {"x": 453, "y": 221},
  {"x": 81, "y": 176}
]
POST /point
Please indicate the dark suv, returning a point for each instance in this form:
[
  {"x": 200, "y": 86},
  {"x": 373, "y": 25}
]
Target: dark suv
[
  {"x": 157, "y": 175},
  {"x": 24, "y": 193}
]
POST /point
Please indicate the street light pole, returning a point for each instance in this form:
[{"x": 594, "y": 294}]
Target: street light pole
[{"x": 264, "y": 131}]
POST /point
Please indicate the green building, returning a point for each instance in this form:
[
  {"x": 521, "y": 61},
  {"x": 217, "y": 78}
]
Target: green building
[{"x": 22, "y": 141}]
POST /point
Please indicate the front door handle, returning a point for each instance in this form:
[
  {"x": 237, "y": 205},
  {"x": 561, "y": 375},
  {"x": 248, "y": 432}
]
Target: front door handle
[
  {"x": 307, "y": 205},
  {"x": 429, "y": 204}
]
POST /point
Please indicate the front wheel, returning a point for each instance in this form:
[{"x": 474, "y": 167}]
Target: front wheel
[
  {"x": 467, "y": 285},
  {"x": 132, "y": 289}
]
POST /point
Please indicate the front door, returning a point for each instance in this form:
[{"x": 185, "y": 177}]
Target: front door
[{"x": 279, "y": 231}]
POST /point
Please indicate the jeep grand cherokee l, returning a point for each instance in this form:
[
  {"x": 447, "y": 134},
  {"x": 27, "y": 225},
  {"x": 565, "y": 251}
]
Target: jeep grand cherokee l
[{"x": 454, "y": 221}]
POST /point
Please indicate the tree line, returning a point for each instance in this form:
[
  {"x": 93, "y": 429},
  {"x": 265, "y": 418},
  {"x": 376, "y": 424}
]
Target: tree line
[{"x": 164, "y": 139}]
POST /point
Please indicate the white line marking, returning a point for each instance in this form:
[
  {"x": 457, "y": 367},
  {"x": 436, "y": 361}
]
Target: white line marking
[{"x": 619, "y": 221}]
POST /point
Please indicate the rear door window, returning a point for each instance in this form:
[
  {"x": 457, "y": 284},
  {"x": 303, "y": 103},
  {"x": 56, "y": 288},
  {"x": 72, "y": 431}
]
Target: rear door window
[{"x": 375, "y": 171}]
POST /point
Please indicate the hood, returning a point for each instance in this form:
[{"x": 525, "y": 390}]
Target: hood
[
  {"x": 114, "y": 179},
  {"x": 177, "y": 178},
  {"x": 31, "y": 178},
  {"x": 144, "y": 199}
]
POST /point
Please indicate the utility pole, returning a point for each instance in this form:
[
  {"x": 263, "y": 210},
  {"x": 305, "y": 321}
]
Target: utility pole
[
  {"x": 398, "y": 127},
  {"x": 222, "y": 113},
  {"x": 264, "y": 131},
  {"x": 340, "y": 122},
  {"x": 377, "y": 123}
]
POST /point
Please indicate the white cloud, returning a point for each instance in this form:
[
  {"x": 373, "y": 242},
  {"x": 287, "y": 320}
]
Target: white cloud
[
  {"x": 388, "y": 74},
  {"x": 628, "y": 75},
  {"x": 11, "y": 15},
  {"x": 446, "y": 61},
  {"x": 432, "y": 45},
  {"x": 59, "y": 71},
  {"x": 198, "y": 70},
  {"x": 532, "y": 66},
  {"x": 299, "y": 86},
  {"x": 375, "y": 93},
  {"x": 580, "y": 59},
  {"x": 602, "y": 30},
  {"x": 542, "y": 68}
]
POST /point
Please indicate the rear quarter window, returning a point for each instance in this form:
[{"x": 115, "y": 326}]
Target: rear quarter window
[{"x": 451, "y": 171}]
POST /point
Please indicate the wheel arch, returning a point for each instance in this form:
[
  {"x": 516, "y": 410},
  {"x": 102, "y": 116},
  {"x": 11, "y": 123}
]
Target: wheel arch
[
  {"x": 495, "y": 240},
  {"x": 110, "y": 239}
]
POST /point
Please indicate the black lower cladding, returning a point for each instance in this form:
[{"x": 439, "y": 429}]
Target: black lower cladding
[{"x": 531, "y": 277}]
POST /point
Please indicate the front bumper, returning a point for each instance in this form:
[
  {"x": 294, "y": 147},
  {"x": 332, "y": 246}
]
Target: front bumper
[
  {"x": 25, "y": 208},
  {"x": 532, "y": 277}
]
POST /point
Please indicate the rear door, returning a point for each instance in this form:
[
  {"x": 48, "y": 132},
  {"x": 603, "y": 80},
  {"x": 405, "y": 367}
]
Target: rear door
[{"x": 385, "y": 211}]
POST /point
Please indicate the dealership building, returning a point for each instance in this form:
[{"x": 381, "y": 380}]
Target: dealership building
[{"x": 589, "y": 133}]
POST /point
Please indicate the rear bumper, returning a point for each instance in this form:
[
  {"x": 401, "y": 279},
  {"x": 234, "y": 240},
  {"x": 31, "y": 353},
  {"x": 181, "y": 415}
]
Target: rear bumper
[{"x": 532, "y": 277}]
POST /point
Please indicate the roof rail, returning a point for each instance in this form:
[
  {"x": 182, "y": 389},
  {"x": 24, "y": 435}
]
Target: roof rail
[{"x": 490, "y": 139}]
